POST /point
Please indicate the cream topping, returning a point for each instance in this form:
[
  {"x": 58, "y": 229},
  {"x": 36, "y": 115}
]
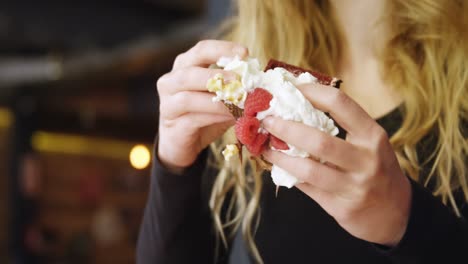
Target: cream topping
[{"x": 288, "y": 103}]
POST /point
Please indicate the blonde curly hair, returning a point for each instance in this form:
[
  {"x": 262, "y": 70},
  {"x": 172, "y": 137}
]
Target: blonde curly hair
[{"x": 426, "y": 60}]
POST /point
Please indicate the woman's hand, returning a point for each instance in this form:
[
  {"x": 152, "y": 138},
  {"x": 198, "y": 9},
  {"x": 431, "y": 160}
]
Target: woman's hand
[
  {"x": 361, "y": 184},
  {"x": 189, "y": 120}
]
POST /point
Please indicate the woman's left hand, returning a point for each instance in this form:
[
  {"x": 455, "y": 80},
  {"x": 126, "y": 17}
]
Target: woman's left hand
[{"x": 361, "y": 184}]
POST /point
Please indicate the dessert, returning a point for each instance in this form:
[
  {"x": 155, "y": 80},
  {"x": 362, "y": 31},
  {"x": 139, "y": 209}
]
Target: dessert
[{"x": 257, "y": 94}]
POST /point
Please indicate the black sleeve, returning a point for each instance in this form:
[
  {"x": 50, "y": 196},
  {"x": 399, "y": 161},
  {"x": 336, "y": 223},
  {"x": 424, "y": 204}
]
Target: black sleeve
[
  {"x": 177, "y": 225},
  {"x": 434, "y": 233}
]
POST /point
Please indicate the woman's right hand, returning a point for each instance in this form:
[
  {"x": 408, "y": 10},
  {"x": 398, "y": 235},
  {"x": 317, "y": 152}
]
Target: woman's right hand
[{"x": 189, "y": 120}]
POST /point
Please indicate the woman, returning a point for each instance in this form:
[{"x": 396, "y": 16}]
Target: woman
[{"x": 403, "y": 104}]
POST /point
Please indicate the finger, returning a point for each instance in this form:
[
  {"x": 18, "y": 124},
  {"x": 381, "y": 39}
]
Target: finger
[
  {"x": 207, "y": 52},
  {"x": 317, "y": 143},
  {"x": 194, "y": 121},
  {"x": 341, "y": 107},
  {"x": 193, "y": 78},
  {"x": 214, "y": 129},
  {"x": 308, "y": 170},
  {"x": 188, "y": 101}
]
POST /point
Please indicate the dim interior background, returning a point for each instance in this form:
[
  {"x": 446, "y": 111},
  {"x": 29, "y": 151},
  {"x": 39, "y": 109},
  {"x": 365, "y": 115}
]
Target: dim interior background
[{"x": 78, "y": 115}]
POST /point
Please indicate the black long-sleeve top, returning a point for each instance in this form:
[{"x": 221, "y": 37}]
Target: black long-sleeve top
[{"x": 177, "y": 225}]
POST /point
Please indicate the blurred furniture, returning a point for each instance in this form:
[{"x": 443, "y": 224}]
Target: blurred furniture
[
  {"x": 5, "y": 128},
  {"x": 83, "y": 73},
  {"x": 92, "y": 197}
]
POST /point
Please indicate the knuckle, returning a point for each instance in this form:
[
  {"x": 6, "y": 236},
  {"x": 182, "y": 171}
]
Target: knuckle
[
  {"x": 380, "y": 133},
  {"x": 340, "y": 98},
  {"x": 201, "y": 45},
  {"x": 162, "y": 83},
  {"x": 312, "y": 173},
  {"x": 380, "y": 136},
  {"x": 322, "y": 146},
  {"x": 178, "y": 60}
]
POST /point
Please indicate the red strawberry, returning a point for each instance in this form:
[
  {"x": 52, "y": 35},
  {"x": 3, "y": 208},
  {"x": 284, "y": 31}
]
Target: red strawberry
[
  {"x": 246, "y": 129},
  {"x": 257, "y": 101},
  {"x": 278, "y": 143}
]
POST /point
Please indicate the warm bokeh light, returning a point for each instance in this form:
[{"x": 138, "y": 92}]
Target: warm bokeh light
[
  {"x": 6, "y": 118},
  {"x": 140, "y": 157}
]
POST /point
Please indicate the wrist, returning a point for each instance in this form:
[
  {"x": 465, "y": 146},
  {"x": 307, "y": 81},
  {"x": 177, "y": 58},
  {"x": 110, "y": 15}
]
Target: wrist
[
  {"x": 172, "y": 161},
  {"x": 401, "y": 211}
]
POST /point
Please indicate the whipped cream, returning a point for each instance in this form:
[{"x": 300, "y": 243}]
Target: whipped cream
[{"x": 288, "y": 103}]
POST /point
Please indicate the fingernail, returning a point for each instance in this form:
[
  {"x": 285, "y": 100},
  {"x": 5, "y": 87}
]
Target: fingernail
[{"x": 241, "y": 51}]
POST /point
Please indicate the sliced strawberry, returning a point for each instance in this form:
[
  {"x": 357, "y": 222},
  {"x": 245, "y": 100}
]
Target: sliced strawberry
[
  {"x": 258, "y": 100},
  {"x": 278, "y": 143}
]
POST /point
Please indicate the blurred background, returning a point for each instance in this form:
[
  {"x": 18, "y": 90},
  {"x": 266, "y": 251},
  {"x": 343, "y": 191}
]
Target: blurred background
[{"x": 78, "y": 115}]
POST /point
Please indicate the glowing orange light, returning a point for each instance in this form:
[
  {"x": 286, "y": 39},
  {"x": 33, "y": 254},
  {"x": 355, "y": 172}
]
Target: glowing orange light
[{"x": 140, "y": 157}]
